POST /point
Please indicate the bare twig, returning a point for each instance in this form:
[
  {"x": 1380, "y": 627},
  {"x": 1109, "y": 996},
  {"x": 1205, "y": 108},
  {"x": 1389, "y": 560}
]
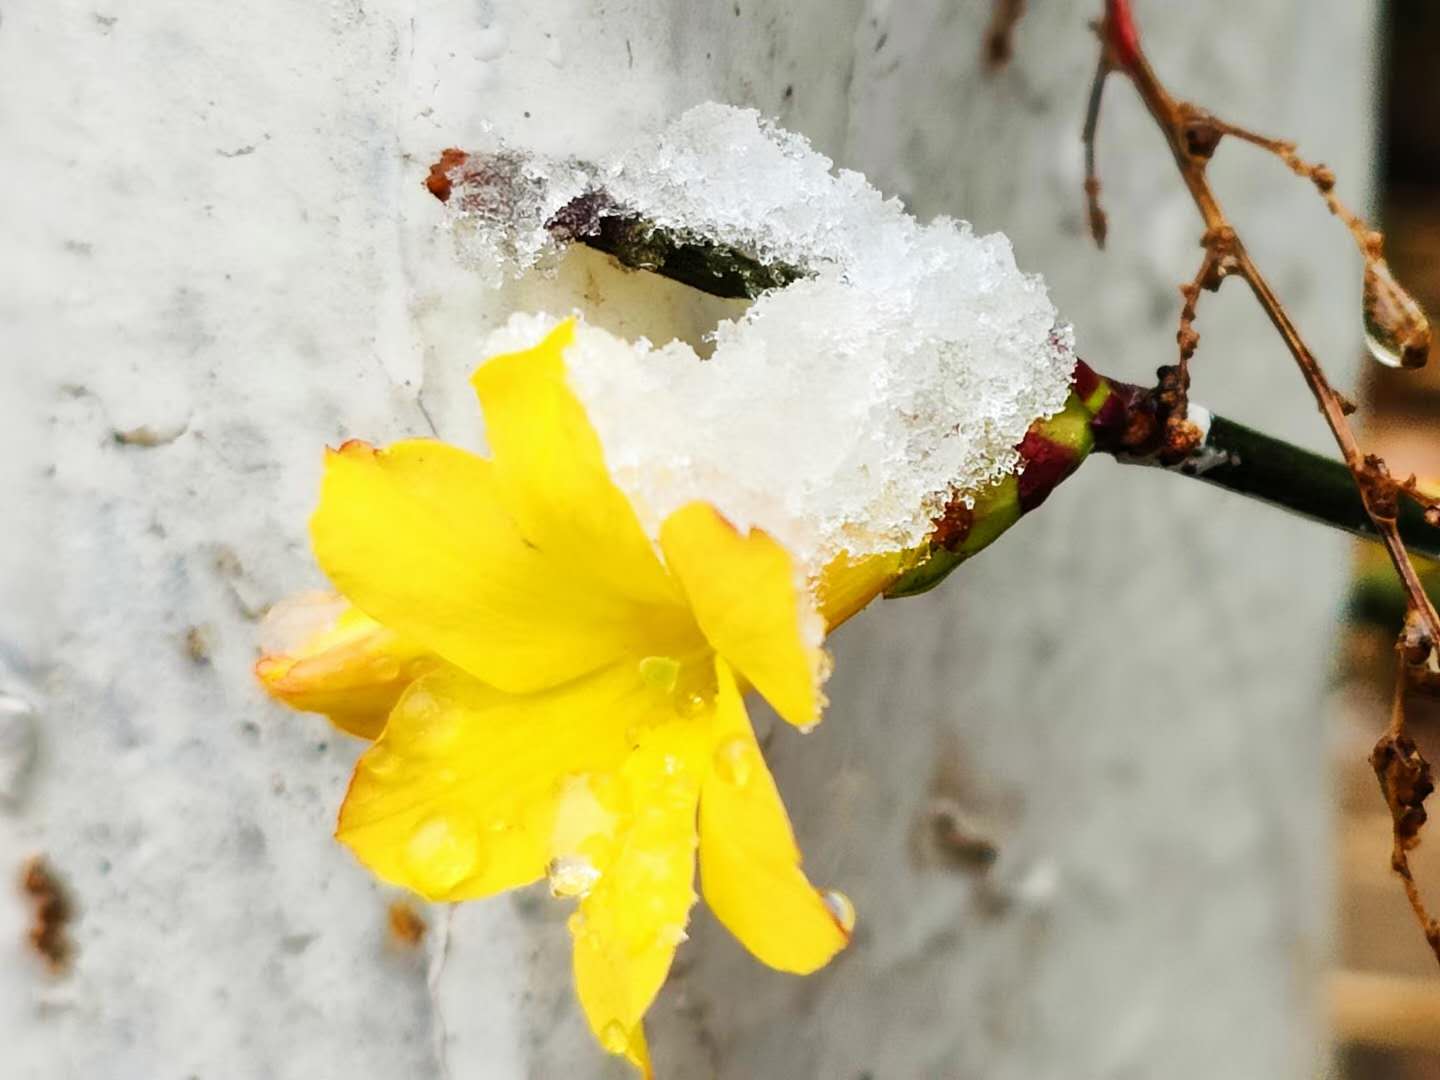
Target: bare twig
[
  {"x": 1405, "y": 782},
  {"x": 1095, "y": 212},
  {"x": 1398, "y": 333}
]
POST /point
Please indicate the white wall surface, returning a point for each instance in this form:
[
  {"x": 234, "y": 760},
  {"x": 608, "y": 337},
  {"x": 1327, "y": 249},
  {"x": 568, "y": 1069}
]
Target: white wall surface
[{"x": 213, "y": 227}]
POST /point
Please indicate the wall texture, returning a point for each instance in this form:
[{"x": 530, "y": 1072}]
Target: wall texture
[{"x": 217, "y": 246}]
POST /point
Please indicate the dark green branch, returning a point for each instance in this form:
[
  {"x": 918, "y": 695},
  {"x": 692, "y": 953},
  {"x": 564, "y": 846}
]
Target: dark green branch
[{"x": 1259, "y": 466}]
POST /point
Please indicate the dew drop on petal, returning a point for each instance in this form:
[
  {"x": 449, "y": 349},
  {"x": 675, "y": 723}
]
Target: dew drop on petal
[
  {"x": 841, "y": 908},
  {"x": 734, "y": 760},
  {"x": 381, "y": 762},
  {"x": 441, "y": 852},
  {"x": 384, "y": 669},
  {"x": 614, "y": 1037},
  {"x": 661, "y": 672},
  {"x": 571, "y": 875}
]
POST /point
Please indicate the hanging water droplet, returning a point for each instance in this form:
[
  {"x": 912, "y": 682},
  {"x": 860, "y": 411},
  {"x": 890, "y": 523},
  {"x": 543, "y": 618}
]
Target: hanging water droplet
[
  {"x": 841, "y": 908},
  {"x": 571, "y": 875},
  {"x": 1396, "y": 329},
  {"x": 441, "y": 852},
  {"x": 614, "y": 1037},
  {"x": 733, "y": 760}
]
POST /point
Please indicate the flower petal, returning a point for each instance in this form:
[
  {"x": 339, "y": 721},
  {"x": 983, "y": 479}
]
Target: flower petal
[
  {"x": 418, "y": 536},
  {"x": 628, "y": 926},
  {"x": 344, "y": 664},
  {"x": 551, "y": 469},
  {"x": 749, "y": 862},
  {"x": 846, "y": 585},
  {"x": 457, "y": 798},
  {"x": 744, "y": 593}
]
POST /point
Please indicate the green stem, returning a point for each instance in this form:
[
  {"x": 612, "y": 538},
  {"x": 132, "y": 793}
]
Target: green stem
[{"x": 1259, "y": 466}]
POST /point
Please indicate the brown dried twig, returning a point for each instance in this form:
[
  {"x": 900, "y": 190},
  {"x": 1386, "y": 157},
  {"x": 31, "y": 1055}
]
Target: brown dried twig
[{"x": 1398, "y": 334}]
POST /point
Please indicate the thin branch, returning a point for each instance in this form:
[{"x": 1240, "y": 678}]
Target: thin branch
[
  {"x": 1094, "y": 211},
  {"x": 1405, "y": 782},
  {"x": 1398, "y": 333}
]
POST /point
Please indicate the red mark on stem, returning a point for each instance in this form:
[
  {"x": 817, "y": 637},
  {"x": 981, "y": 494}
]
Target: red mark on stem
[{"x": 1123, "y": 36}]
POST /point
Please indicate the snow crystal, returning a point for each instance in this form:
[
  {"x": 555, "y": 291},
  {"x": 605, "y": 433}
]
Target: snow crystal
[{"x": 839, "y": 412}]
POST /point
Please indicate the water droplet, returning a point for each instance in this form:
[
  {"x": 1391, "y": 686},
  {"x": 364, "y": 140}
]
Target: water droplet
[
  {"x": 692, "y": 704},
  {"x": 614, "y": 1037},
  {"x": 587, "y": 815},
  {"x": 734, "y": 760},
  {"x": 441, "y": 852},
  {"x": 384, "y": 669},
  {"x": 661, "y": 672},
  {"x": 674, "y": 934},
  {"x": 841, "y": 908},
  {"x": 806, "y": 729},
  {"x": 1396, "y": 329},
  {"x": 381, "y": 762},
  {"x": 571, "y": 875}
]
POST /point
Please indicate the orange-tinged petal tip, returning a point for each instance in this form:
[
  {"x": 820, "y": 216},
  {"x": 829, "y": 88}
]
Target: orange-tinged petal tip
[
  {"x": 354, "y": 448},
  {"x": 327, "y": 657}
]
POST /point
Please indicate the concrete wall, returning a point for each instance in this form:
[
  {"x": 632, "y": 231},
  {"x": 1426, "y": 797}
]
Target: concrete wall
[{"x": 213, "y": 230}]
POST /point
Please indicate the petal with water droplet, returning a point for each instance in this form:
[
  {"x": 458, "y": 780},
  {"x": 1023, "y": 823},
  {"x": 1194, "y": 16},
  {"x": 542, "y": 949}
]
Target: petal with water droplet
[
  {"x": 628, "y": 926},
  {"x": 744, "y": 590},
  {"x": 749, "y": 861},
  {"x": 492, "y": 768}
]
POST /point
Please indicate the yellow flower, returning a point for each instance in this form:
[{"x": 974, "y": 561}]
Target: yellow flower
[{"x": 577, "y": 712}]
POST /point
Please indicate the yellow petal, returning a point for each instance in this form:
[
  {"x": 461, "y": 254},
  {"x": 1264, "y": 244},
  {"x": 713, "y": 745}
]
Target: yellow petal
[
  {"x": 417, "y": 536},
  {"x": 457, "y": 798},
  {"x": 551, "y": 468},
  {"x": 744, "y": 594},
  {"x": 342, "y": 663},
  {"x": 846, "y": 585},
  {"x": 749, "y": 862},
  {"x": 638, "y": 1053},
  {"x": 628, "y": 926}
]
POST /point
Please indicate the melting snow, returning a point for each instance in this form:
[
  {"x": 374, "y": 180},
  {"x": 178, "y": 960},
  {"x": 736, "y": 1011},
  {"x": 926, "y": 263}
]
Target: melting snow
[{"x": 839, "y": 412}]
